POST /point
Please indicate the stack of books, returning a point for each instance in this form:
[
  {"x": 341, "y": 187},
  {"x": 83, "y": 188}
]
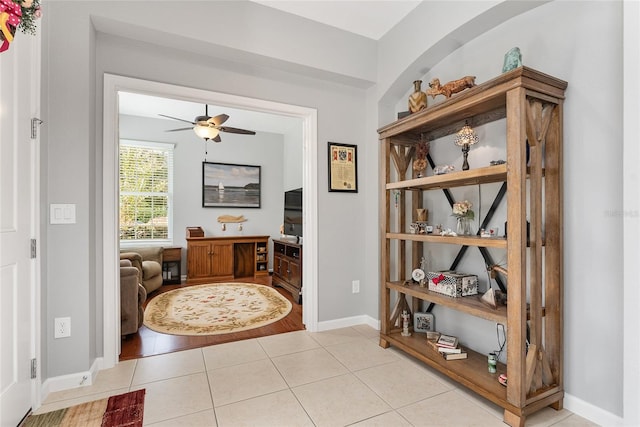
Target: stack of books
[{"x": 447, "y": 346}]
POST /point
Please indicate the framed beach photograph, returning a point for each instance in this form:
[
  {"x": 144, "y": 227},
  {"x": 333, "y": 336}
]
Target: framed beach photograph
[
  {"x": 343, "y": 167},
  {"x": 227, "y": 185}
]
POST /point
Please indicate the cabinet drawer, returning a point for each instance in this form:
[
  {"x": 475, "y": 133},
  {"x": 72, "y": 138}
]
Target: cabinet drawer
[{"x": 172, "y": 254}]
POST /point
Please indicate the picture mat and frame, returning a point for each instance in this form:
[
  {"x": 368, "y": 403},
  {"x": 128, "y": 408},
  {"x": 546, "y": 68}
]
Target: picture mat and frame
[
  {"x": 230, "y": 185},
  {"x": 343, "y": 167},
  {"x": 423, "y": 322}
]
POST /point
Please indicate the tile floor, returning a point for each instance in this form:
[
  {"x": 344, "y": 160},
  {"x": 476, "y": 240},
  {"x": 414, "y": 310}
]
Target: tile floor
[{"x": 334, "y": 378}]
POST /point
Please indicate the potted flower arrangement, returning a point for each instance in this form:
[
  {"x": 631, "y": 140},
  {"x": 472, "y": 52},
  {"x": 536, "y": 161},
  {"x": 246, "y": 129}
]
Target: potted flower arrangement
[{"x": 464, "y": 215}]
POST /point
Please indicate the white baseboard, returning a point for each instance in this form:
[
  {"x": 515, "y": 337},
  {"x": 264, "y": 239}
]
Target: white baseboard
[
  {"x": 349, "y": 321},
  {"x": 65, "y": 382},
  {"x": 591, "y": 412}
]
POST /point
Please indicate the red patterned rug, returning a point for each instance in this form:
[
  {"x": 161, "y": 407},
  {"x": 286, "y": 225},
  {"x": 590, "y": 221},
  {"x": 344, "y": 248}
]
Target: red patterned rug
[{"x": 123, "y": 410}]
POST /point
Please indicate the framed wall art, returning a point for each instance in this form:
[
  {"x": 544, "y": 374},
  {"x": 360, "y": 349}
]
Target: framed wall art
[
  {"x": 423, "y": 322},
  {"x": 343, "y": 167},
  {"x": 230, "y": 186}
]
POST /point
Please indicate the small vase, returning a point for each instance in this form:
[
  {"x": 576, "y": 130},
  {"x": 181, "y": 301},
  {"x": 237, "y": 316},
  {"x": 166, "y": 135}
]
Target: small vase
[
  {"x": 418, "y": 99},
  {"x": 463, "y": 226}
]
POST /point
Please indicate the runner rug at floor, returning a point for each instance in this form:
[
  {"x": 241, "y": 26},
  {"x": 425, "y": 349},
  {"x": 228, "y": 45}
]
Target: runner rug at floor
[
  {"x": 217, "y": 308},
  {"x": 123, "y": 410}
]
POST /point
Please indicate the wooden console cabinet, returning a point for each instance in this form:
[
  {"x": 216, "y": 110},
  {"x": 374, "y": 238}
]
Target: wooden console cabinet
[
  {"x": 287, "y": 267},
  {"x": 213, "y": 259}
]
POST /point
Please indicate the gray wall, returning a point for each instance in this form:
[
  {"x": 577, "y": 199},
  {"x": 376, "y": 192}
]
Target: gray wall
[
  {"x": 580, "y": 42},
  {"x": 74, "y": 110},
  {"x": 292, "y": 158},
  {"x": 335, "y": 72}
]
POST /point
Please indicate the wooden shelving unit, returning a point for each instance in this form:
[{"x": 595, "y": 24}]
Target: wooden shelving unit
[
  {"x": 262, "y": 258},
  {"x": 287, "y": 267},
  {"x": 532, "y": 104}
]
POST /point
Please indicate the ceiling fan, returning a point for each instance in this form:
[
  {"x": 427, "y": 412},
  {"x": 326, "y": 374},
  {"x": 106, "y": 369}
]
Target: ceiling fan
[{"x": 209, "y": 128}]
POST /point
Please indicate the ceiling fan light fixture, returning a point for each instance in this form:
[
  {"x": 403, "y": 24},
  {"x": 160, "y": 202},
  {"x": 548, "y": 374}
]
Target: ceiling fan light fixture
[{"x": 206, "y": 132}]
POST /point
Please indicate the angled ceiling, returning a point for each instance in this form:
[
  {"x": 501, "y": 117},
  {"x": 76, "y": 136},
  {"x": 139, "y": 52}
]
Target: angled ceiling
[{"x": 370, "y": 19}]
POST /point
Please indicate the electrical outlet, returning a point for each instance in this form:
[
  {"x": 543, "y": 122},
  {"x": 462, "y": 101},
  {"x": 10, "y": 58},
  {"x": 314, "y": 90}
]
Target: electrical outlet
[
  {"x": 355, "y": 286},
  {"x": 62, "y": 327}
]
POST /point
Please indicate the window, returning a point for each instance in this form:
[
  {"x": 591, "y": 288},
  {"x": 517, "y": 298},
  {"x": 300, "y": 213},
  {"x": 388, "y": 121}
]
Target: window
[{"x": 146, "y": 192}]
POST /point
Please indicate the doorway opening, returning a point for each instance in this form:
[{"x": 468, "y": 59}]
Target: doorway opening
[{"x": 112, "y": 86}]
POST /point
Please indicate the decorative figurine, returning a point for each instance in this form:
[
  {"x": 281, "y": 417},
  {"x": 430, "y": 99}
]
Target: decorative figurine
[
  {"x": 451, "y": 87},
  {"x": 442, "y": 169},
  {"x": 512, "y": 60},
  {"x": 405, "y": 324},
  {"x": 418, "y": 99},
  {"x": 420, "y": 161}
]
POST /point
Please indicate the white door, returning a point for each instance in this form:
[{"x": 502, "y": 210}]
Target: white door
[{"x": 19, "y": 99}]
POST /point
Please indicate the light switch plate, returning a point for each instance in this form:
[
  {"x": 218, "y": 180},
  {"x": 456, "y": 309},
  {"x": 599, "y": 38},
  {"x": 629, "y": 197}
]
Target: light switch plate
[{"x": 62, "y": 213}]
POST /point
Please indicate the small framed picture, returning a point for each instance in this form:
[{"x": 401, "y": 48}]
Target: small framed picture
[
  {"x": 343, "y": 167},
  {"x": 423, "y": 322}
]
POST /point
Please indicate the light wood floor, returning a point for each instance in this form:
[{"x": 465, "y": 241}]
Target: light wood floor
[{"x": 149, "y": 343}]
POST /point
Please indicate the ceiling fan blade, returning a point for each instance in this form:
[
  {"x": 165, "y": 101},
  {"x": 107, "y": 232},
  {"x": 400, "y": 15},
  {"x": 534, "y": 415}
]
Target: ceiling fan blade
[
  {"x": 217, "y": 138},
  {"x": 175, "y": 118},
  {"x": 175, "y": 130},
  {"x": 236, "y": 130},
  {"x": 219, "y": 119}
]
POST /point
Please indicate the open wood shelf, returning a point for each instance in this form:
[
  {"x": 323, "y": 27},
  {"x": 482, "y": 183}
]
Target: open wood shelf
[
  {"x": 485, "y": 175},
  {"x": 488, "y": 96},
  {"x": 483, "y": 242},
  {"x": 531, "y": 104},
  {"x": 470, "y": 304},
  {"x": 472, "y": 372}
]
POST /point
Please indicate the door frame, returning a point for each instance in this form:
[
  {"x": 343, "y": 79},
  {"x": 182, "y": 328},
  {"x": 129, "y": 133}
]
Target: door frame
[
  {"x": 26, "y": 120},
  {"x": 111, "y": 292}
]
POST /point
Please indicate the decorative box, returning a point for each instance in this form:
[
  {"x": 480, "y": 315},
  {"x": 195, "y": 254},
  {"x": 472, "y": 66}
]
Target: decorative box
[
  {"x": 452, "y": 283},
  {"x": 195, "y": 232}
]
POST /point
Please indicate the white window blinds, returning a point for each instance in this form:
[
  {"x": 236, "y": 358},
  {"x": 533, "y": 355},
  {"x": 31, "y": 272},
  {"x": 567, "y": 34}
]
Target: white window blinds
[{"x": 146, "y": 190}]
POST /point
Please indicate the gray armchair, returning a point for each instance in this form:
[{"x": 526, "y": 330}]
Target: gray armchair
[
  {"x": 148, "y": 260},
  {"x": 132, "y": 297}
]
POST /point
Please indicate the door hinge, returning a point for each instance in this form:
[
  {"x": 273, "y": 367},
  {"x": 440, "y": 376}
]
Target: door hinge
[
  {"x": 34, "y": 368},
  {"x": 34, "y": 247},
  {"x": 35, "y": 122}
]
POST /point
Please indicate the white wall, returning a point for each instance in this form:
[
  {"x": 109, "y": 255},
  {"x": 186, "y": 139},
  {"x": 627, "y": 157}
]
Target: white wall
[{"x": 579, "y": 42}]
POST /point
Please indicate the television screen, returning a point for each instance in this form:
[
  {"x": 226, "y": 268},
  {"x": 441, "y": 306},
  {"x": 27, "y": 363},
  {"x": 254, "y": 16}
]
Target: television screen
[{"x": 293, "y": 212}]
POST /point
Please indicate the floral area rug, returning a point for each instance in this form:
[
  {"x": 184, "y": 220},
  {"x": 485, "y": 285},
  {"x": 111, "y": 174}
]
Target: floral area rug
[
  {"x": 212, "y": 309},
  {"x": 123, "y": 410}
]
